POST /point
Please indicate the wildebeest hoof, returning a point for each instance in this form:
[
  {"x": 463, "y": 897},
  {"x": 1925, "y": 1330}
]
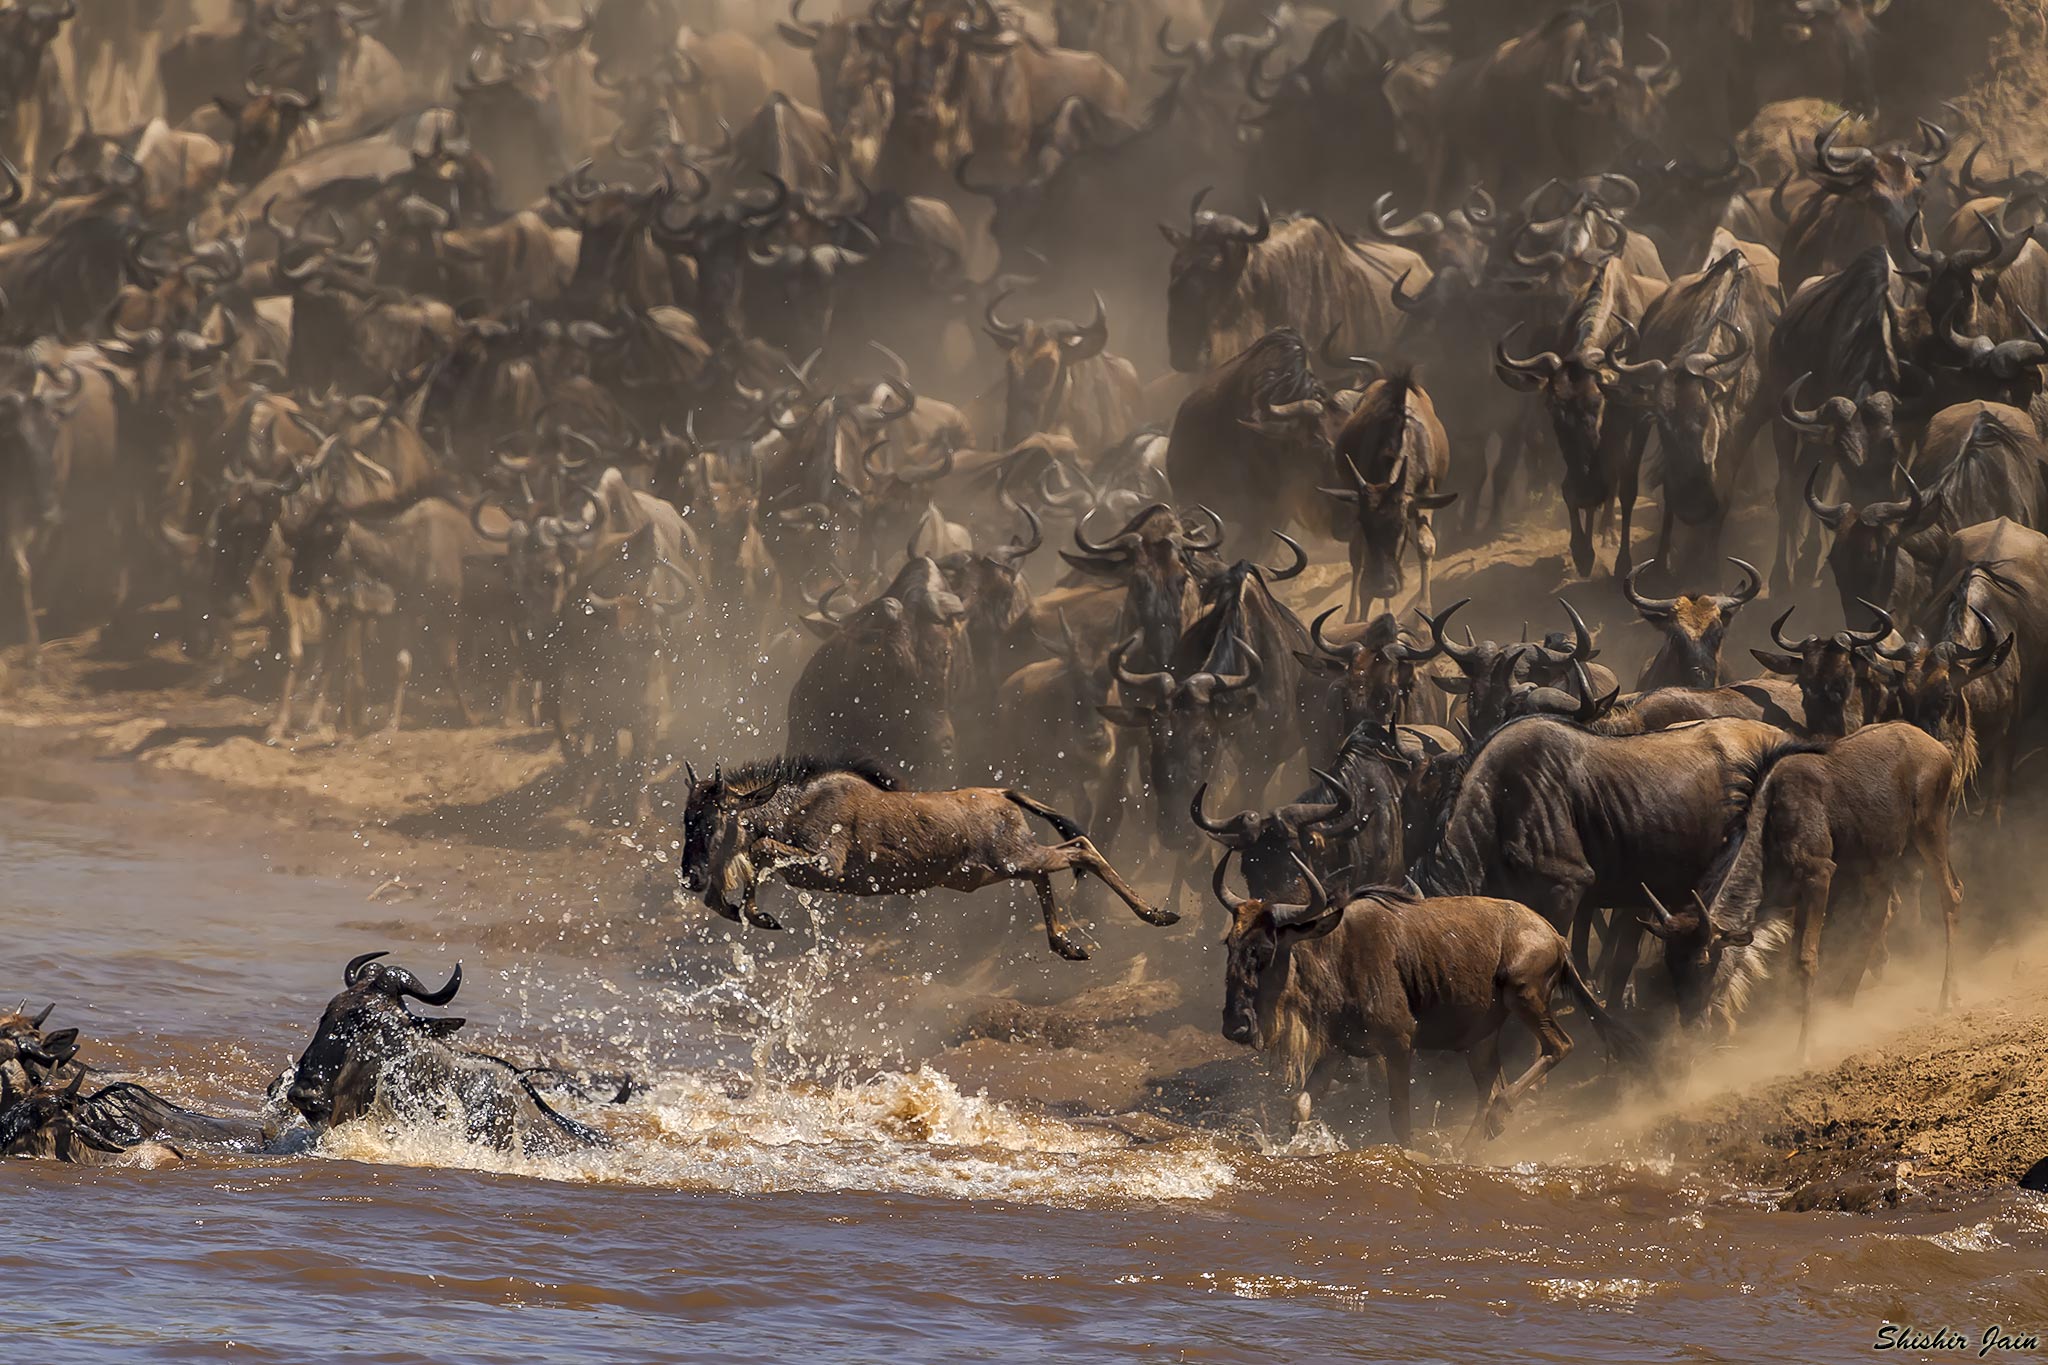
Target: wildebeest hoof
[
  {"x": 1160, "y": 917},
  {"x": 762, "y": 920},
  {"x": 1070, "y": 950}
]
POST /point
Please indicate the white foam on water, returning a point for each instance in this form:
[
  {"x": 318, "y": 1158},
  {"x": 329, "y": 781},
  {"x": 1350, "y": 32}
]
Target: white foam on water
[{"x": 904, "y": 1133}]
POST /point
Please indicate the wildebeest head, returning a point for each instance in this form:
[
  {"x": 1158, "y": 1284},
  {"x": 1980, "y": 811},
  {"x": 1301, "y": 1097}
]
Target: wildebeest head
[
  {"x": 1693, "y": 627},
  {"x": 1184, "y": 721},
  {"x": 712, "y": 835},
  {"x": 1887, "y": 179},
  {"x": 1491, "y": 676},
  {"x": 1037, "y": 357},
  {"x": 1459, "y": 240},
  {"x": 1374, "y": 675},
  {"x": 1628, "y": 98},
  {"x": 1865, "y": 556},
  {"x": 1830, "y": 669},
  {"x": 1931, "y": 678},
  {"x": 1263, "y": 935},
  {"x": 1860, "y": 433},
  {"x": 1693, "y": 944},
  {"x": 1149, "y": 556},
  {"x": 365, "y": 1030},
  {"x": 543, "y": 555},
  {"x": 265, "y": 122},
  {"x": 991, "y": 586},
  {"x": 1269, "y": 843},
  {"x": 1207, "y": 260}
]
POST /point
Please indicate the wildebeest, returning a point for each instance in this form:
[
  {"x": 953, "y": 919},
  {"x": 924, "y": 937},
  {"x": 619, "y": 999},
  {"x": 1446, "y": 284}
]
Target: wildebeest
[
  {"x": 1829, "y": 832},
  {"x": 1601, "y": 441},
  {"x": 1693, "y": 628},
  {"x": 883, "y": 685},
  {"x": 1833, "y": 672},
  {"x": 1565, "y": 821},
  {"x": 851, "y": 828},
  {"x": 1260, "y": 409},
  {"x": 1398, "y": 458},
  {"x": 1058, "y": 379},
  {"x": 370, "y": 1054},
  {"x": 1233, "y": 282},
  {"x": 1388, "y": 973}
]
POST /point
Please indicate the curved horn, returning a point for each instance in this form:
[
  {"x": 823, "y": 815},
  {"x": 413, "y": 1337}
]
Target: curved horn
[
  {"x": 1778, "y": 634},
  {"x": 1346, "y": 652},
  {"x": 1220, "y": 884},
  {"x": 1651, "y": 608},
  {"x": 1234, "y": 833},
  {"x": 440, "y": 997},
  {"x": 356, "y": 964},
  {"x": 1831, "y": 516},
  {"x": 1753, "y": 583},
  {"x": 1009, "y": 334},
  {"x": 1294, "y": 570}
]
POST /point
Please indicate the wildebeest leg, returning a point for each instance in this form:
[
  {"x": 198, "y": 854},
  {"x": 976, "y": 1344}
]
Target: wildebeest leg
[
  {"x": 1791, "y": 506},
  {"x": 1631, "y": 473},
  {"x": 1933, "y": 841},
  {"x": 1398, "y": 1050},
  {"x": 1582, "y": 936},
  {"x": 1055, "y": 932},
  {"x": 1529, "y": 1001},
  {"x": 1081, "y": 856},
  {"x": 1315, "y": 1087},
  {"x": 1483, "y": 1060},
  {"x": 1355, "y": 608},
  {"x": 403, "y": 663},
  {"x": 1628, "y": 943},
  {"x": 354, "y": 704},
  {"x": 1809, "y": 913},
  {"x": 1425, "y": 557},
  {"x": 25, "y": 584}
]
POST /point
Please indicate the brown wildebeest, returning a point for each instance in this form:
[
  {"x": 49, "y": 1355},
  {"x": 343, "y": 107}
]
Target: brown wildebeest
[
  {"x": 849, "y": 828},
  {"x": 1693, "y": 628},
  {"x": 1389, "y": 973},
  {"x": 1829, "y": 832}
]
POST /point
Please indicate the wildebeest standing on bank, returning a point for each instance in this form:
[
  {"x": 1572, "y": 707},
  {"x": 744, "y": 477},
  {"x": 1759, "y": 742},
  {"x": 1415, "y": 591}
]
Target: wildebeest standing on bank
[
  {"x": 850, "y": 828},
  {"x": 1389, "y": 973},
  {"x": 1830, "y": 832},
  {"x": 1566, "y": 822}
]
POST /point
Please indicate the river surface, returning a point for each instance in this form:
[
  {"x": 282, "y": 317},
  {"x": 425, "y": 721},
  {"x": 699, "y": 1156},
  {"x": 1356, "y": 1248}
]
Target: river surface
[{"x": 883, "y": 1216}]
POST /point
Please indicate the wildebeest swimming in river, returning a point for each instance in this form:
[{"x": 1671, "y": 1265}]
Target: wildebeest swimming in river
[
  {"x": 849, "y": 828},
  {"x": 370, "y": 1050},
  {"x": 46, "y": 1110}
]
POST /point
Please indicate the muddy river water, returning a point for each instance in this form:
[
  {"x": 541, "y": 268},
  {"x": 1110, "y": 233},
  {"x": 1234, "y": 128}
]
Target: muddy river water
[{"x": 869, "y": 1217}]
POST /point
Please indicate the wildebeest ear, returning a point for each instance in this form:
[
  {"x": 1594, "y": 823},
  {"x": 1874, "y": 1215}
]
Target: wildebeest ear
[
  {"x": 1776, "y": 663},
  {"x": 1432, "y": 501},
  {"x": 443, "y": 1027},
  {"x": 1457, "y": 687},
  {"x": 1175, "y": 238},
  {"x": 1318, "y": 663},
  {"x": 231, "y": 107},
  {"x": 1125, "y": 715}
]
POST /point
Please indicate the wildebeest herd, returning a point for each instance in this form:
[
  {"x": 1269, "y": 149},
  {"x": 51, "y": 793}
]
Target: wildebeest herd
[{"x": 579, "y": 368}]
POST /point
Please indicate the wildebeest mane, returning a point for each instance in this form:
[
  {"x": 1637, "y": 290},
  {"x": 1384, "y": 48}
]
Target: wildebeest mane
[
  {"x": 1849, "y": 316},
  {"x": 1381, "y": 424},
  {"x": 798, "y": 769},
  {"x": 1745, "y": 788}
]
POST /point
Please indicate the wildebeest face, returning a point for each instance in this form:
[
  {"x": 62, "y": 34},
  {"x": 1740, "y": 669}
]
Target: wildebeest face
[
  {"x": 1693, "y": 945},
  {"x": 317, "y": 550},
  {"x": 713, "y": 839},
  {"x": 364, "y": 1030},
  {"x": 1205, "y": 271},
  {"x": 1260, "y": 944},
  {"x": 1184, "y": 732}
]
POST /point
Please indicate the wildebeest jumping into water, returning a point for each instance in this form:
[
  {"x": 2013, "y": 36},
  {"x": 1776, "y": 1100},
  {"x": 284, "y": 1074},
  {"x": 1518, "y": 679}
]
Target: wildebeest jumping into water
[{"x": 849, "y": 827}]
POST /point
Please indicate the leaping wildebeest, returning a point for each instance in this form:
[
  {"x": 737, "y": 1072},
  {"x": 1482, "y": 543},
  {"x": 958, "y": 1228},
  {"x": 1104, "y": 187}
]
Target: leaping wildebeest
[{"x": 850, "y": 828}]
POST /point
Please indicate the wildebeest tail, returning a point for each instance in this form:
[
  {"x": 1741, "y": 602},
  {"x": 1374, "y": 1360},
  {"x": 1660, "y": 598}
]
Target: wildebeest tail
[
  {"x": 1066, "y": 827},
  {"x": 1623, "y": 1043}
]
